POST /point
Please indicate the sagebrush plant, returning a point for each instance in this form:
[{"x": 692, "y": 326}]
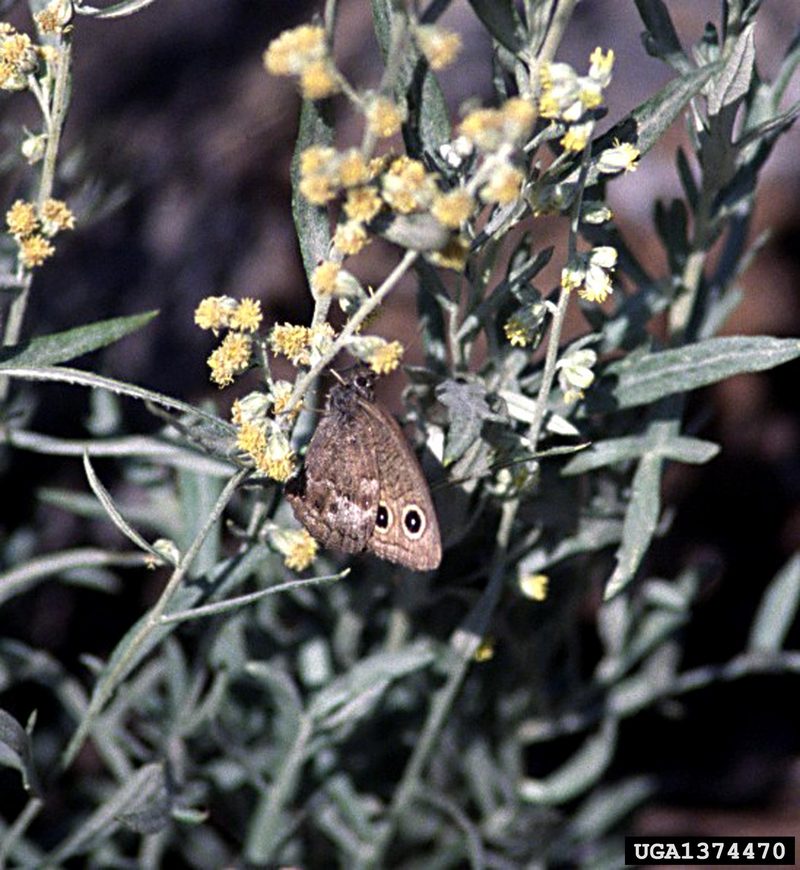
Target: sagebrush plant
[{"x": 343, "y": 717}]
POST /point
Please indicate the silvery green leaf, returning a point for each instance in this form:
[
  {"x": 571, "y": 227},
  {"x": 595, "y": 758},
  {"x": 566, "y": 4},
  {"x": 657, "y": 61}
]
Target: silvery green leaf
[
  {"x": 679, "y": 448},
  {"x": 645, "y": 379},
  {"x": 63, "y": 346},
  {"x": 311, "y": 221},
  {"x": 646, "y": 124},
  {"x": 16, "y": 750},
  {"x": 734, "y": 79},
  {"x": 467, "y": 408},
  {"x": 578, "y": 774},
  {"x": 778, "y": 609},
  {"x": 641, "y": 520}
]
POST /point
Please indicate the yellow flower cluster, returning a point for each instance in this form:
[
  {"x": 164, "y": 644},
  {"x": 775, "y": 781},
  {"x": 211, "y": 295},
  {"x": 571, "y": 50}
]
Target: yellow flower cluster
[
  {"x": 489, "y": 129},
  {"x": 267, "y": 448},
  {"x": 303, "y": 345},
  {"x": 384, "y": 117},
  {"x": 32, "y": 227},
  {"x": 224, "y": 312},
  {"x": 232, "y": 357},
  {"x": 591, "y": 273},
  {"x": 575, "y": 373},
  {"x": 53, "y": 19},
  {"x": 296, "y": 546},
  {"x": 18, "y": 58},
  {"x": 303, "y": 52},
  {"x": 440, "y": 47},
  {"x": 407, "y": 186},
  {"x": 385, "y": 357}
]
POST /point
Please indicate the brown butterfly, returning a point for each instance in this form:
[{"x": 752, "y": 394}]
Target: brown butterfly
[{"x": 361, "y": 487}]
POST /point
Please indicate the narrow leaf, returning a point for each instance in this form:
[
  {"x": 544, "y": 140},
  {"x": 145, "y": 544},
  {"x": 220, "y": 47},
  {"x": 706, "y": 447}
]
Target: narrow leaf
[
  {"x": 501, "y": 20},
  {"x": 311, "y": 221},
  {"x": 63, "y": 346},
  {"x": 678, "y": 448},
  {"x": 576, "y": 776},
  {"x": 734, "y": 80},
  {"x": 642, "y": 380},
  {"x": 640, "y": 523},
  {"x": 777, "y": 610},
  {"x": 15, "y": 750}
]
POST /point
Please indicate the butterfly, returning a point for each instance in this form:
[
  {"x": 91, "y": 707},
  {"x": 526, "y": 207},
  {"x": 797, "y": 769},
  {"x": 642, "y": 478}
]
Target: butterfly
[{"x": 361, "y": 487}]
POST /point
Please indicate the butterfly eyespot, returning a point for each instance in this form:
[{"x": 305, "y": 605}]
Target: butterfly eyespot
[
  {"x": 413, "y": 522},
  {"x": 384, "y": 519}
]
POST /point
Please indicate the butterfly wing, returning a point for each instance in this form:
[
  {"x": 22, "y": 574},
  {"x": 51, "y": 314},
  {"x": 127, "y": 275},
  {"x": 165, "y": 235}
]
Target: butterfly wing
[
  {"x": 405, "y": 529},
  {"x": 335, "y": 496}
]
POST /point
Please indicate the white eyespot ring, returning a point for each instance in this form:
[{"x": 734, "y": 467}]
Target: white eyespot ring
[
  {"x": 414, "y": 522},
  {"x": 384, "y": 519}
]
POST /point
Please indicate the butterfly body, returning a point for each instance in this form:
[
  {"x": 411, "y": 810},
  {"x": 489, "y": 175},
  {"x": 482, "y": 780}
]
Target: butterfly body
[{"x": 361, "y": 487}]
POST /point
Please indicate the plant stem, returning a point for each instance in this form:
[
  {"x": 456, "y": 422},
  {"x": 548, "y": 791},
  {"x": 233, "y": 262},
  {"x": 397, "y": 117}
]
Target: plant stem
[
  {"x": 54, "y": 123},
  {"x": 351, "y": 327},
  {"x": 463, "y": 644}
]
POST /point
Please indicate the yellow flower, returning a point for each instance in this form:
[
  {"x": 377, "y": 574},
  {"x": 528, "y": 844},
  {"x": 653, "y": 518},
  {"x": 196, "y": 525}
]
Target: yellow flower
[
  {"x": 298, "y": 548},
  {"x": 572, "y": 275},
  {"x": 251, "y": 439},
  {"x": 21, "y": 219},
  {"x": 319, "y": 80},
  {"x": 384, "y": 117},
  {"x": 291, "y": 341},
  {"x": 484, "y": 128},
  {"x": 34, "y": 250},
  {"x": 47, "y": 20},
  {"x": 320, "y": 338},
  {"x": 353, "y": 168},
  {"x": 519, "y": 117},
  {"x": 575, "y": 373},
  {"x": 577, "y": 136},
  {"x": 407, "y": 186},
  {"x": 385, "y": 358},
  {"x": 534, "y": 586},
  {"x": 56, "y": 216},
  {"x": 601, "y": 65},
  {"x": 294, "y": 50},
  {"x": 324, "y": 278},
  {"x": 231, "y": 358},
  {"x": 277, "y": 459},
  {"x": 362, "y": 204},
  {"x": 317, "y": 189},
  {"x": 247, "y": 316},
  {"x": 440, "y": 47},
  {"x": 516, "y": 332},
  {"x": 215, "y": 312},
  {"x": 623, "y": 156},
  {"x": 251, "y": 408},
  {"x": 453, "y": 255},
  {"x": 560, "y": 92},
  {"x": 597, "y": 285},
  {"x": 453, "y": 208},
  {"x": 504, "y": 185},
  {"x": 350, "y": 237},
  {"x": 316, "y": 158},
  {"x": 279, "y": 394},
  {"x": 485, "y": 650},
  {"x": 17, "y": 50}
]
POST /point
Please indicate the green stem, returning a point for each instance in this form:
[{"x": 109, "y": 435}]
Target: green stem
[
  {"x": 152, "y": 623},
  {"x": 54, "y": 123},
  {"x": 463, "y": 646},
  {"x": 351, "y": 327}
]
